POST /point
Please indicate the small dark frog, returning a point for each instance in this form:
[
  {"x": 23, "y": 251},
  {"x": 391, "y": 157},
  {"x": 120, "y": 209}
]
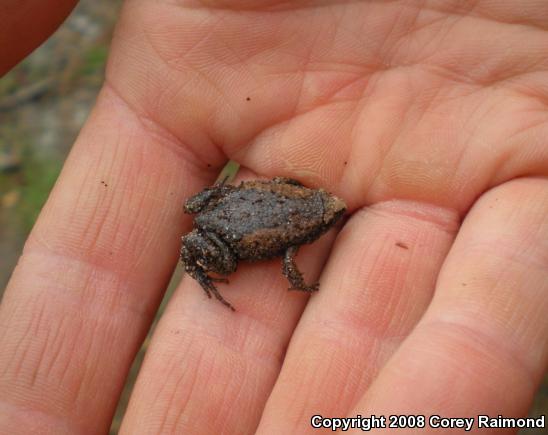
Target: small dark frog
[{"x": 256, "y": 220}]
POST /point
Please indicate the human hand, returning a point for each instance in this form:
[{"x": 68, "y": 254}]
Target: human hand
[{"x": 429, "y": 119}]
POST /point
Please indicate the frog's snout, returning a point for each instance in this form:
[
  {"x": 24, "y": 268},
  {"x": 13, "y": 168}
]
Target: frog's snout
[{"x": 334, "y": 209}]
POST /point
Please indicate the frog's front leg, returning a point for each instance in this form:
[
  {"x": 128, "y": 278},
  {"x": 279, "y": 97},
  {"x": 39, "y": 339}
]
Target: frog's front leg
[{"x": 293, "y": 274}]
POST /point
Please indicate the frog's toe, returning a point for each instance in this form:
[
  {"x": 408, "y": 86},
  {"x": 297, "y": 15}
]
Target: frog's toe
[
  {"x": 307, "y": 288},
  {"x": 216, "y": 293},
  {"x": 206, "y": 290}
]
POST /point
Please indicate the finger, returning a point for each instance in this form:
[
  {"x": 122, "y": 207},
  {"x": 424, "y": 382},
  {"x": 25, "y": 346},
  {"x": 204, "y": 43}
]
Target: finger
[
  {"x": 378, "y": 281},
  {"x": 482, "y": 346},
  {"x": 209, "y": 369},
  {"x": 92, "y": 273},
  {"x": 25, "y": 25}
]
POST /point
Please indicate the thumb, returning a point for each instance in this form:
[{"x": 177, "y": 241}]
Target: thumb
[{"x": 24, "y": 25}]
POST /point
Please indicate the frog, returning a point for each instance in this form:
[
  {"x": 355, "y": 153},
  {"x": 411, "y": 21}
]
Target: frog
[{"x": 255, "y": 220}]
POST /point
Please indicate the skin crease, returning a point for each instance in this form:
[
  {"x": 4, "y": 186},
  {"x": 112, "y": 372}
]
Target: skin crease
[{"x": 429, "y": 118}]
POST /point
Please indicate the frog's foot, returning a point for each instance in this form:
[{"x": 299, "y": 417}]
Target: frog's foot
[
  {"x": 216, "y": 293},
  {"x": 293, "y": 274},
  {"x": 206, "y": 282},
  {"x": 307, "y": 288}
]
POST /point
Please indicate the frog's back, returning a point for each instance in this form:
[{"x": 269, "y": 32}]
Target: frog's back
[{"x": 261, "y": 220}]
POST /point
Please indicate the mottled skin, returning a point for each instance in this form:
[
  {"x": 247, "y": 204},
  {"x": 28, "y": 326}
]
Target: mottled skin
[{"x": 256, "y": 220}]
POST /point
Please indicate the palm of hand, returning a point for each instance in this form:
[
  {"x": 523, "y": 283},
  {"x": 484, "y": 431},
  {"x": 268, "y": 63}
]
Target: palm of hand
[
  {"x": 379, "y": 101},
  {"x": 413, "y": 111}
]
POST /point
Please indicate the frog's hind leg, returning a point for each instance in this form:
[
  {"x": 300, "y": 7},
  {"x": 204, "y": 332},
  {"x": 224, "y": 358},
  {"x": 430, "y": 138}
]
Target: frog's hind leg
[{"x": 293, "y": 274}]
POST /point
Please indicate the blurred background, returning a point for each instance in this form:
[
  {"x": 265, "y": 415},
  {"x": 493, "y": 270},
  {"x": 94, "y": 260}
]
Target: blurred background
[{"x": 44, "y": 102}]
